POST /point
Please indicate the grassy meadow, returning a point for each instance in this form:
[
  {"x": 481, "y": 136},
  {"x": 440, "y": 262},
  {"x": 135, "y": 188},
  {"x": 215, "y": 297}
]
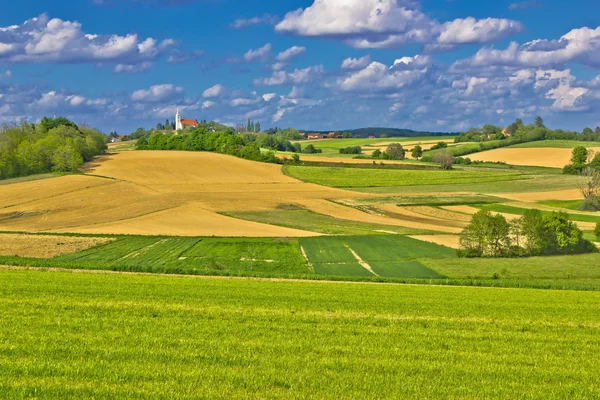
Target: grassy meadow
[{"x": 80, "y": 335}]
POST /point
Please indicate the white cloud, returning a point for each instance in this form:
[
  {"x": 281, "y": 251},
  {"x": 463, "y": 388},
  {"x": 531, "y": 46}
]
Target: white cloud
[
  {"x": 45, "y": 40},
  {"x": 378, "y": 77},
  {"x": 389, "y": 24},
  {"x": 242, "y": 102},
  {"x": 261, "y": 54},
  {"x": 278, "y": 115},
  {"x": 580, "y": 45},
  {"x": 290, "y": 53},
  {"x": 470, "y": 30},
  {"x": 157, "y": 93},
  {"x": 215, "y": 91},
  {"x": 246, "y": 22},
  {"x": 133, "y": 68},
  {"x": 269, "y": 96},
  {"x": 298, "y": 76},
  {"x": 6, "y": 74},
  {"x": 356, "y": 63}
]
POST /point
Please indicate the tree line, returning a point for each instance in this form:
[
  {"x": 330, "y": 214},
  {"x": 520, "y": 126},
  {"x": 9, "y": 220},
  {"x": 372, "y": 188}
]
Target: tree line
[
  {"x": 534, "y": 234},
  {"x": 53, "y": 145},
  {"x": 226, "y": 141}
]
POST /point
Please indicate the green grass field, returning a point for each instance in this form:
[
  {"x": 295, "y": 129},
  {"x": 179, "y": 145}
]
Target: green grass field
[
  {"x": 360, "y": 177},
  {"x": 557, "y": 144},
  {"x": 502, "y": 208},
  {"x": 69, "y": 335},
  {"x": 314, "y": 222},
  {"x": 568, "y": 204}
]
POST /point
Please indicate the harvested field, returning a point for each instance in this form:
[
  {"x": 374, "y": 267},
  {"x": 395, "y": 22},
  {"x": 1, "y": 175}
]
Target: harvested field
[
  {"x": 451, "y": 241},
  {"x": 541, "y": 157},
  {"x": 167, "y": 193},
  {"x": 42, "y": 246},
  {"x": 436, "y": 212}
]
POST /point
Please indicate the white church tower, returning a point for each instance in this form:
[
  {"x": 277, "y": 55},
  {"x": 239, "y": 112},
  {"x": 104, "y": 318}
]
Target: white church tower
[{"x": 178, "y": 126}]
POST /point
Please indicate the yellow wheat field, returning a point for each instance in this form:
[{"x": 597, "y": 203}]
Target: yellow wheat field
[
  {"x": 42, "y": 246},
  {"x": 540, "y": 157}
]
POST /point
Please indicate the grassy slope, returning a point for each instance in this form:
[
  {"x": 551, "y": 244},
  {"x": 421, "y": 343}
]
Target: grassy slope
[
  {"x": 314, "y": 222},
  {"x": 557, "y": 144},
  {"x": 92, "y": 336},
  {"x": 502, "y": 208},
  {"x": 358, "y": 177},
  {"x": 582, "y": 267}
]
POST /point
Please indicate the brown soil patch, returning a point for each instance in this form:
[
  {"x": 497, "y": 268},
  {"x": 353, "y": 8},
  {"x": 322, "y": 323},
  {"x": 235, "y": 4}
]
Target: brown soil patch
[
  {"x": 451, "y": 241},
  {"x": 541, "y": 157},
  {"x": 42, "y": 246}
]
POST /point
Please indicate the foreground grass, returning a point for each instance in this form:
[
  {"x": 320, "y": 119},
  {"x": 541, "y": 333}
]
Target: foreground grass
[
  {"x": 70, "y": 335},
  {"x": 362, "y": 177}
]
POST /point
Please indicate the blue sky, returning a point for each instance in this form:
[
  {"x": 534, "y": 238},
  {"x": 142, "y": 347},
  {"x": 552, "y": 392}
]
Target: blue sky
[{"x": 442, "y": 65}]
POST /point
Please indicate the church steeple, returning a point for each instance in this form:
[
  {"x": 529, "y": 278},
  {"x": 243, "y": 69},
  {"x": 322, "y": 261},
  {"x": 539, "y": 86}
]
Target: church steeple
[{"x": 178, "y": 125}]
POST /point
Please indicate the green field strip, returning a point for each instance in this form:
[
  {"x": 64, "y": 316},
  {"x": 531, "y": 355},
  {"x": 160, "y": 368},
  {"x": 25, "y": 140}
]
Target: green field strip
[
  {"x": 313, "y": 222},
  {"x": 163, "y": 251},
  {"x": 404, "y": 269},
  {"x": 361, "y": 177},
  {"x": 111, "y": 251},
  {"x": 342, "y": 269},
  {"x": 501, "y": 208},
  {"x": 327, "y": 250},
  {"x": 395, "y": 247}
]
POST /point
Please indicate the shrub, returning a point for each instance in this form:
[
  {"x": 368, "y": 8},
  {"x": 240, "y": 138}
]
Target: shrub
[
  {"x": 597, "y": 230},
  {"x": 351, "y": 150},
  {"x": 395, "y": 151},
  {"x": 445, "y": 159},
  {"x": 439, "y": 145},
  {"x": 376, "y": 154},
  {"x": 427, "y": 159},
  {"x": 590, "y": 204}
]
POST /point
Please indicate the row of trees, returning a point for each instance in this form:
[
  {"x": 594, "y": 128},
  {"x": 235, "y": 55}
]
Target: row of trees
[
  {"x": 57, "y": 145},
  {"x": 199, "y": 139},
  {"x": 582, "y": 158},
  {"x": 534, "y": 234}
]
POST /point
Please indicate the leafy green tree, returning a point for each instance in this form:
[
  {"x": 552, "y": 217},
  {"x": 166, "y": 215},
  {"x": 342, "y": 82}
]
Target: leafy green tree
[
  {"x": 587, "y": 131},
  {"x": 486, "y": 235},
  {"x": 417, "y": 152},
  {"x": 376, "y": 154},
  {"x": 66, "y": 159},
  {"x": 579, "y": 155},
  {"x": 597, "y": 231},
  {"x": 346, "y": 135},
  {"x": 395, "y": 151},
  {"x": 531, "y": 229},
  {"x": 257, "y": 126}
]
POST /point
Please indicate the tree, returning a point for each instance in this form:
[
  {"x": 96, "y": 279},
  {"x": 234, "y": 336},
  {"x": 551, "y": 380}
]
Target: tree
[
  {"x": 531, "y": 229},
  {"x": 579, "y": 156},
  {"x": 66, "y": 159},
  {"x": 595, "y": 163},
  {"x": 249, "y": 127},
  {"x": 597, "y": 130},
  {"x": 376, "y": 154},
  {"x": 395, "y": 151},
  {"x": 539, "y": 122},
  {"x": 589, "y": 183},
  {"x": 347, "y": 135},
  {"x": 257, "y": 126},
  {"x": 587, "y": 131},
  {"x": 486, "y": 235},
  {"x": 597, "y": 230},
  {"x": 445, "y": 159},
  {"x": 417, "y": 152}
]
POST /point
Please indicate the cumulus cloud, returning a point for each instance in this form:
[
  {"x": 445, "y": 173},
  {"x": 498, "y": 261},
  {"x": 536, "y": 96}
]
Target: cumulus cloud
[
  {"x": 46, "y": 40},
  {"x": 157, "y": 93},
  {"x": 356, "y": 63},
  {"x": 580, "y": 45},
  {"x": 269, "y": 96},
  {"x": 246, "y": 22},
  {"x": 389, "y": 24},
  {"x": 298, "y": 76},
  {"x": 133, "y": 68},
  {"x": 290, "y": 53},
  {"x": 215, "y": 91},
  {"x": 261, "y": 54},
  {"x": 378, "y": 77},
  {"x": 470, "y": 30}
]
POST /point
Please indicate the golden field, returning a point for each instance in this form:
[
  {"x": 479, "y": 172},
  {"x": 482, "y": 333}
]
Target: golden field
[
  {"x": 185, "y": 193},
  {"x": 541, "y": 157},
  {"x": 44, "y": 246}
]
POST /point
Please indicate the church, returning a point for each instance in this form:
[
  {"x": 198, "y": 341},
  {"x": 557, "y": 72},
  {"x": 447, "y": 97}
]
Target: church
[{"x": 181, "y": 124}]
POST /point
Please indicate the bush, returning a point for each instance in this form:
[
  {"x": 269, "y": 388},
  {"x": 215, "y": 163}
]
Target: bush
[
  {"x": 597, "y": 230},
  {"x": 376, "y": 154},
  {"x": 439, "y": 145},
  {"x": 445, "y": 159},
  {"x": 351, "y": 150},
  {"x": 590, "y": 204},
  {"x": 427, "y": 159}
]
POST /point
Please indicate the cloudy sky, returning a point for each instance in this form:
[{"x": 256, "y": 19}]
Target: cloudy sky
[{"x": 441, "y": 65}]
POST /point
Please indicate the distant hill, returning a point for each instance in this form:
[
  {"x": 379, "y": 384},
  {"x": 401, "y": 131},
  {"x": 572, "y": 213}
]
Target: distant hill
[{"x": 389, "y": 132}]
